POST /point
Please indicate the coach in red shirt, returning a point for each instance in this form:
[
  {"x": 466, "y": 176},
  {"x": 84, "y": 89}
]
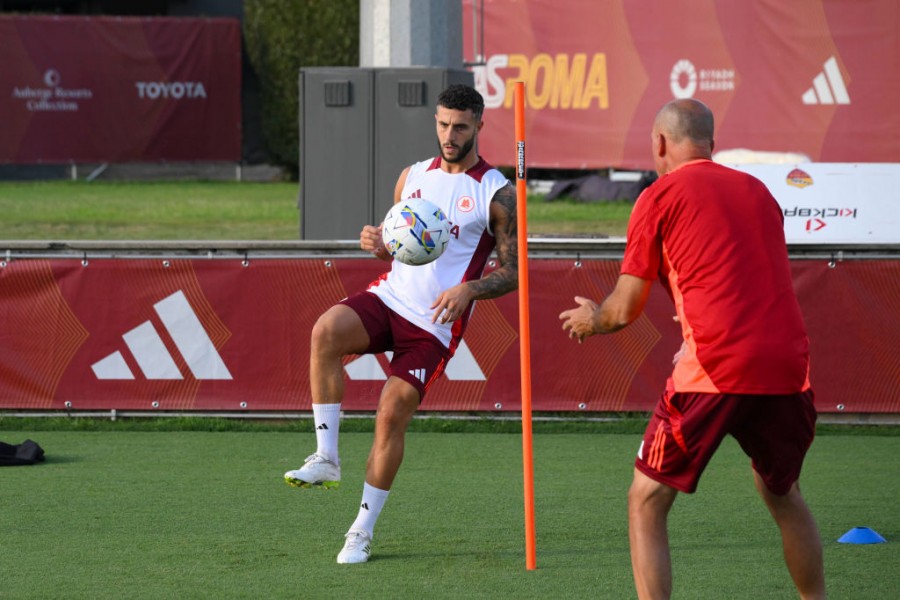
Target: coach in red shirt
[{"x": 714, "y": 237}]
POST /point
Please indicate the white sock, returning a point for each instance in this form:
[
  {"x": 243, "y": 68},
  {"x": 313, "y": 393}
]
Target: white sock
[
  {"x": 327, "y": 420},
  {"x": 373, "y": 501}
]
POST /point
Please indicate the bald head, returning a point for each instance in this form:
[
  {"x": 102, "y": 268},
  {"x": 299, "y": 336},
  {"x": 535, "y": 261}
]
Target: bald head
[
  {"x": 686, "y": 119},
  {"x": 682, "y": 131}
]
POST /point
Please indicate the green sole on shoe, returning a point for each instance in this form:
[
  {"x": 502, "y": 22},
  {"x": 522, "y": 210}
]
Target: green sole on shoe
[{"x": 297, "y": 483}]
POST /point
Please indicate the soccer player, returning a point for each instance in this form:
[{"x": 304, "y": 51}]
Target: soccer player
[
  {"x": 418, "y": 312},
  {"x": 714, "y": 237}
]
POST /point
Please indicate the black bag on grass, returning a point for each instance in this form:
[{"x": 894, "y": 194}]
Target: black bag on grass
[{"x": 26, "y": 453}]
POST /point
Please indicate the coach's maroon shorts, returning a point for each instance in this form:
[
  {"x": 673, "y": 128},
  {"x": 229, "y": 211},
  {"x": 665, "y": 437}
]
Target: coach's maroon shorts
[
  {"x": 687, "y": 428},
  {"x": 419, "y": 358}
]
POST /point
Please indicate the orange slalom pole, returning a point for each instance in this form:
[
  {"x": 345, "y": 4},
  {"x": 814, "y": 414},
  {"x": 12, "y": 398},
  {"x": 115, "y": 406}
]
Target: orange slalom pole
[{"x": 524, "y": 328}]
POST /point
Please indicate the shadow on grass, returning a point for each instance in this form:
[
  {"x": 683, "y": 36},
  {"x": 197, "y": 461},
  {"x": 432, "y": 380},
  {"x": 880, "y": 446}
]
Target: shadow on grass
[{"x": 60, "y": 459}]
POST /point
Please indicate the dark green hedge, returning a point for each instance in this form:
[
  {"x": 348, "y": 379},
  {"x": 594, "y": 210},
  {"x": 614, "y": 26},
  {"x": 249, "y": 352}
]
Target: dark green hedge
[{"x": 283, "y": 36}]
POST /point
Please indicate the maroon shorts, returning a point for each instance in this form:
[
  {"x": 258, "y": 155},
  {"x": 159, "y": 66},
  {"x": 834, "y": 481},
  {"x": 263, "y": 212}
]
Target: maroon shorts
[
  {"x": 687, "y": 428},
  {"x": 418, "y": 357}
]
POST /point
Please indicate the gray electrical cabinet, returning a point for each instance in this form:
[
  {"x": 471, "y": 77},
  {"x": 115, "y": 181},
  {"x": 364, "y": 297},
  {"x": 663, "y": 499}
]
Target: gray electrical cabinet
[
  {"x": 336, "y": 140},
  {"x": 359, "y": 128}
]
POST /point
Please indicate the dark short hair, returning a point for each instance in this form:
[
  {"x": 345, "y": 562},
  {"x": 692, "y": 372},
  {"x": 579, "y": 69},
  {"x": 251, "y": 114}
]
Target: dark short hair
[{"x": 462, "y": 97}]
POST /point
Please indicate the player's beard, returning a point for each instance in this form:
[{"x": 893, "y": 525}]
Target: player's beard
[{"x": 463, "y": 151}]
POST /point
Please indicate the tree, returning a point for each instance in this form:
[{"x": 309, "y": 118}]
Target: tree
[{"x": 283, "y": 36}]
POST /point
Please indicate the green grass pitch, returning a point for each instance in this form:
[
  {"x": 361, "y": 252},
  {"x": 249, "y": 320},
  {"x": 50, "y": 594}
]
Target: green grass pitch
[
  {"x": 205, "y": 210},
  {"x": 199, "y": 514}
]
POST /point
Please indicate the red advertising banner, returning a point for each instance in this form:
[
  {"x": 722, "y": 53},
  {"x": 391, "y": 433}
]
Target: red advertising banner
[
  {"x": 232, "y": 335},
  {"x": 816, "y": 77},
  {"x": 114, "y": 89}
]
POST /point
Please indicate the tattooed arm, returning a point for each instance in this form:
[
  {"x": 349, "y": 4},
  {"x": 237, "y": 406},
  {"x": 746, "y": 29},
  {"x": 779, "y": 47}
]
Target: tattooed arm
[
  {"x": 453, "y": 303},
  {"x": 504, "y": 225}
]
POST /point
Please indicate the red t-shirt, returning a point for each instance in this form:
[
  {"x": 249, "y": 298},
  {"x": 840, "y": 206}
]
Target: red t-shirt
[{"x": 715, "y": 238}]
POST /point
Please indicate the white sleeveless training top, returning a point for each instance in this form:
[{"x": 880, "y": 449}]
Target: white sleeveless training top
[{"x": 465, "y": 199}]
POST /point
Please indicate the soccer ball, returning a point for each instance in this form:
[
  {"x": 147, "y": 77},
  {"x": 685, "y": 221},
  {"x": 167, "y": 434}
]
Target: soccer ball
[{"x": 415, "y": 231}]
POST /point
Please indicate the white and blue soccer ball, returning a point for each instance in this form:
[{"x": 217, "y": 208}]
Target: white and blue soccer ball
[{"x": 415, "y": 231}]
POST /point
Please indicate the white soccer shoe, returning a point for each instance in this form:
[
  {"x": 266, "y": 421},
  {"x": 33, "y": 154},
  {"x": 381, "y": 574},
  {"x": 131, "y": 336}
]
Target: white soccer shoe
[
  {"x": 356, "y": 549},
  {"x": 317, "y": 471}
]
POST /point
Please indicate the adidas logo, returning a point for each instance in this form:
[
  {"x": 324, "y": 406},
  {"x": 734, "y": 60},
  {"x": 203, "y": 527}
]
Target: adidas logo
[
  {"x": 828, "y": 86},
  {"x": 418, "y": 374},
  {"x": 364, "y": 505},
  {"x": 151, "y": 355},
  {"x": 322, "y": 426}
]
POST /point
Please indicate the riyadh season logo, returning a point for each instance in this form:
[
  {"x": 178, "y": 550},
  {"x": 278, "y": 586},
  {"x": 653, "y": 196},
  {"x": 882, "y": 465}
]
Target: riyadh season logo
[
  {"x": 685, "y": 80},
  {"x": 52, "y": 96}
]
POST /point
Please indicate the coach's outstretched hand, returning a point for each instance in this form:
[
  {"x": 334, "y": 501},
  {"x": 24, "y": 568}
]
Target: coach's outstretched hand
[{"x": 579, "y": 321}]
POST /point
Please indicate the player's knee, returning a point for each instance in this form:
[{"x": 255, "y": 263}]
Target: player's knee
[
  {"x": 320, "y": 334},
  {"x": 637, "y": 498},
  {"x": 393, "y": 421},
  {"x": 395, "y": 412},
  {"x": 391, "y": 426},
  {"x": 325, "y": 335},
  {"x": 646, "y": 494},
  {"x": 785, "y": 503}
]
